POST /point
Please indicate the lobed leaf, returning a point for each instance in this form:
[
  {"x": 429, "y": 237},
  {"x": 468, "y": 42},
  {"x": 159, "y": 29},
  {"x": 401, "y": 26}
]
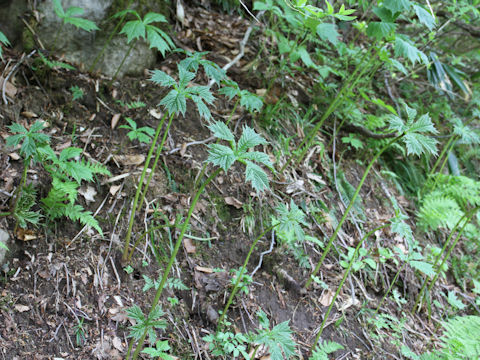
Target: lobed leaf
[
  {"x": 220, "y": 155},
  {"x": 249, "y": 139},
  {"x": 256, "y": 176},
  {"x": 221, "y": 131}
]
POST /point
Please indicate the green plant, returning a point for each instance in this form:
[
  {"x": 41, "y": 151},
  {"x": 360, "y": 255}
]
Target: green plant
[
  {"x": 224, "y": 157},
  {"x": 411, "y": 132},
  {"x": 79, "y": 332},
  {"x": 174, "y": 102},
  {"x": 459, "y": 341},
  {"x": 51, "y": 64},
  {"x": 324, "y": 349},
  {"x": 4, "y": 41},
  {"x": 228, "y": 344},
  {"x": 144, "y": 29},
  {"x": 61, "y": 199},
  {"x": 143, "y": 134},
  {"x": 62, "y": 196},
  {"x": 70, "y": 16},
  {"x": 77, "y": 92},
  {"x": 278, "y": 340},
  {"x": 146, "y": 324},
  {"x": 159, "y": 351}
]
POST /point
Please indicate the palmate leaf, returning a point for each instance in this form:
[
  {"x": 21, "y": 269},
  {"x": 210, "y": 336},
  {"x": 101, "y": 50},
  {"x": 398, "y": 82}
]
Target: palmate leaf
[
  {"x": 328, "y": 32},
  {"x": 202, "y": 108},
  {"x": 134, "y": 29},
  {"x": 83, "y": 24},
  {"x": 174, "y": 102},
  {"x": 250, "y": 101},
  {"x": 278, "y": 340},
  {"x": 256, "y": 176},
  {"x": 152, "y": 17},
  {"x": 418, "y": 144},
  {"x": 397, "y": 5},
  {"x": 220, "y": 155}
]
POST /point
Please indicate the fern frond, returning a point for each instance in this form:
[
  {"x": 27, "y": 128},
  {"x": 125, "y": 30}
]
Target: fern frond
[
  {"x": 77, "y": 213},
  {"x": 439, "y": 210}
]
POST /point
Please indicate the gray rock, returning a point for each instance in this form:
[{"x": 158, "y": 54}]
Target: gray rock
[
  {"x": 81, "y": 47},
  {"x": 4, "y": 238}
]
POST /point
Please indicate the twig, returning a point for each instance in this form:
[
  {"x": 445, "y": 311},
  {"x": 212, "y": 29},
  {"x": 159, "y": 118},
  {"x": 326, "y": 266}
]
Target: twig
[
  {"x": 198, "y": 142},
  {"x": 14, "y": 69},
  {"x": 241, "y": 53},
  {"x": 272, "y": 242}
]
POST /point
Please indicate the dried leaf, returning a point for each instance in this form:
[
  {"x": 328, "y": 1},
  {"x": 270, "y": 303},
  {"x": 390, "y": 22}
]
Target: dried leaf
[
  {"x": 155, "y": 113},
  {"x": 114, "y": 121},
  {"x": 25, "y": 234},
  {"x": 127, "y": 160},
  {"x": 29, "y": 114},
  {"x": 114, "y": 189},
  {"x": 230, "y": 200},
  {"x": 10, "y": 89},
  {"x": 189, "y": 245},
  {"x": 327, "y": 298},
  {"x": 88, "y": 193},
  {"x": 204, "y": 269},
  {"x": 14, "y": 156},
  {"x": 21, "y": 308}
]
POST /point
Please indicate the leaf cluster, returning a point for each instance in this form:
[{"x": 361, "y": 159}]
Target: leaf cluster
[
  {"x": 143, "y": 134},
  {"x": 224, "y": 156},
  {"x": 143, "y": 28},
  {"x": 70, "y": 16},
  {"x": 150, "y": 323}
]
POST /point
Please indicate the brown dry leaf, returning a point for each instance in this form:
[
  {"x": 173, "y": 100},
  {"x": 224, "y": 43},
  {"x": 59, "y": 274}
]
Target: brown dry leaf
[
  {"x": 155, "y": 113},
  {"x": 189, "y": 245},
  {"x": 25, "y": 235},
  {"x": 204, "y": 269},
  {"x": 327, "y": 298},
  {"x": 63, "y": 146},
  {"x": 114, "y": 189},
  {"x": 348, "y": 303},
  {"x": 10, "y": 89},
  {"x": 183, "y": 149},
  {"x": 88, "y": 193},
  {"x": 114, "y": 121},
  {"x": 127, "y": 160},
  {"x": 14, "y": 156},
  {"x": 22, "y": 308},
  {"x": 230, "y": 200},
  {"x": 117, "y": 343},
  {"x": 29, "y": 114}
]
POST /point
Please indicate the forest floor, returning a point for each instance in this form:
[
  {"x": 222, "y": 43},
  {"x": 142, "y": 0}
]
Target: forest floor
[{"x": 61, "y": 275}]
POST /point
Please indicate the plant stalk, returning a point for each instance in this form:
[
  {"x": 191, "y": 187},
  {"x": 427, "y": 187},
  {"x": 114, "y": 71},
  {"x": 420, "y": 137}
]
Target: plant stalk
[
  {"x": 172, "y": 259},
  {"x": 347, "y": 211},
  {"x": 19, "y": 190},
  {"x": 345, "y": 275},
  {"x": 123, "y": 61},
  {"x": 239, "y": 277},
  {"x": 139, "y": 189},
  {"x": 105, "y": 45}
]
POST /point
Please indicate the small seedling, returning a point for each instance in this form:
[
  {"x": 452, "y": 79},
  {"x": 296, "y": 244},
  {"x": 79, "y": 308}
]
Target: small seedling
[
  {"x": 77, "y": 92},
  {"x": 143, "y": 134}
]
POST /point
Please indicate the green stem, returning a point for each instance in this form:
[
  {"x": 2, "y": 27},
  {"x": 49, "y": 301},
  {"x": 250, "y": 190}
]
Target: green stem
[
  {"x": 347, "y": 85},
  {"x": 123, "y": 60},
  {"x": 349, "y": 207},
  {"x": 5, "y": 214},
  {"x": 240, "y": 276},
  {"x": 467, "y": 217},
  {"x": 172, "y": 259},
  {"x": 155, "y": 162},
  {"x": 105, "y": 45},
  {"x": 19, "y": 190},
  {"x": 139, "y": 189},
  {"x": 339, "y": 288},
  {"x": 204, "y": 167},
  {"x": 389, "y": 289}
]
